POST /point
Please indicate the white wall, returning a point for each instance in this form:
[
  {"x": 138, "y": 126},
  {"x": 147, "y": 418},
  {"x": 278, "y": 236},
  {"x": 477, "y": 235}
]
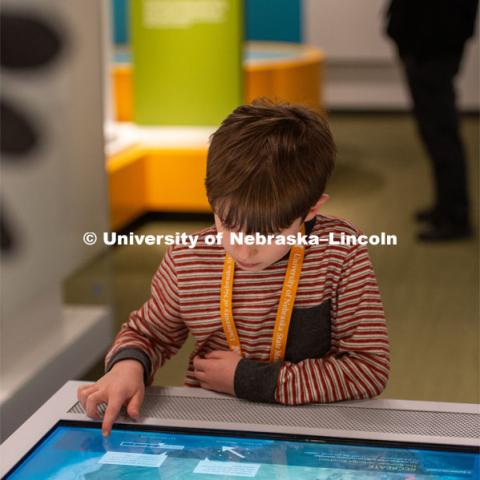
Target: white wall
[
  {"x": 59, "y": 190},
  {"x": 52, "y": 195},
  {"x": 361, "y": 69}
]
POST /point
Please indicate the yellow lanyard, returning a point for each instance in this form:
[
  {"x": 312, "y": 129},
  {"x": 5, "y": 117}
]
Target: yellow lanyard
[{"x": 285, "y": 306}]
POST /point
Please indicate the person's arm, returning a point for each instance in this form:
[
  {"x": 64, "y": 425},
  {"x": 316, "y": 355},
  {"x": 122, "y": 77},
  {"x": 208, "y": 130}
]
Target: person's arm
[
  {"x": 357, "y": 366},
  {"x": 155, "y": 331}
]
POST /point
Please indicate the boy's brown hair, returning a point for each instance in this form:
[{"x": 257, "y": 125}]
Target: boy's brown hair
[{"x": 267, "y": 165}]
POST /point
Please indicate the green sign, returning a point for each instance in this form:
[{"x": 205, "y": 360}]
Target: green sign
[{"x": 187, "y": 60}]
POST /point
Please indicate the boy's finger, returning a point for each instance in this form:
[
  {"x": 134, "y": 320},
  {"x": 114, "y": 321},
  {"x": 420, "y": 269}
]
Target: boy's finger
[
  {"x": 83, "y": 388},
  {"x": 82, "y": 395},
  {"x": 202, "y": 376},
  {"x": 111, "y": 414},
  {"x": 91, "y": 405},
  {"x": 133, "y": 408},
  {"x": 200, "y": 364}
]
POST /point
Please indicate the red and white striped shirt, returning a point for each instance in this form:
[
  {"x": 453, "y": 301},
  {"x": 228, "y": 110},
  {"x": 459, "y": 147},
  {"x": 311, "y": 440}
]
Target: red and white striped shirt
[{"x": 185, "y": 297}]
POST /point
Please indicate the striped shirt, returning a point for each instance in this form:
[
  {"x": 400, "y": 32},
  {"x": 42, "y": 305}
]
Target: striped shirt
[{"x": 185, "y": 297}]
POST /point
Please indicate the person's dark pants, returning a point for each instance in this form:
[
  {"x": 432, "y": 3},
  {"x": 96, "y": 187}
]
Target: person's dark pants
[{"x": 431, "y": 84}]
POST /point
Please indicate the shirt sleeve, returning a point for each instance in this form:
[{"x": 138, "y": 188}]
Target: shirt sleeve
[
  {"x": 357, "y": 365},
  {"x": 156, "y": 329}
]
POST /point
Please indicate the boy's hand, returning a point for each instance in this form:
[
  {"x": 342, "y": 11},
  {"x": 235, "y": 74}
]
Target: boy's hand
[
  {"x": 216, "y": 371},
  {"x": 123, "y": 384}
]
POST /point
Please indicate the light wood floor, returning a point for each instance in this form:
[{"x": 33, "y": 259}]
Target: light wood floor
[{"x": 430, "y": 291}]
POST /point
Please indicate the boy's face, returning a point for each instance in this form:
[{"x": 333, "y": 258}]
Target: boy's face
[{"x": 255, "y": 258}]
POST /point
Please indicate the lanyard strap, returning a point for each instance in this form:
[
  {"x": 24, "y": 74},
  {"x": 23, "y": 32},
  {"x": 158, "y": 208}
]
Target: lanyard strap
[{"x": 285, "y": 306}]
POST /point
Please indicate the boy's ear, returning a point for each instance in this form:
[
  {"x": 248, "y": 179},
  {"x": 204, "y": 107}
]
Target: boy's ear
[{"x": 314, "y": 210}]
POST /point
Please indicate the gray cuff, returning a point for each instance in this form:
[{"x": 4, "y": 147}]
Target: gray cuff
[
  {"x": 256, "y": 381},
  {"x": 133, "y": 354}
]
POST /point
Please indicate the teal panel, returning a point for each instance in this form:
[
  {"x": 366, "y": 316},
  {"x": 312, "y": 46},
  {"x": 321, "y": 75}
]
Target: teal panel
[
  {"x": 120, "y": 21},
  {"x": 276, "y": 20}
]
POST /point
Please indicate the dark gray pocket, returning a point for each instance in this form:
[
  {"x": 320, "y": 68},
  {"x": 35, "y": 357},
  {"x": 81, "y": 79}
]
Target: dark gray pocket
[{"x": 309, "y": 334}]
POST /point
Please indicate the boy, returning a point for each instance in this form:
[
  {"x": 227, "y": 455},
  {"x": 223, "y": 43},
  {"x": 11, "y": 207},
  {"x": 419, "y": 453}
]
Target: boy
[{"x": 272, "y": 323}]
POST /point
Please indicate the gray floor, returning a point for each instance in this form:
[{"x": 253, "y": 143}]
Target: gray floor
[{"x": 430, "y": 292}]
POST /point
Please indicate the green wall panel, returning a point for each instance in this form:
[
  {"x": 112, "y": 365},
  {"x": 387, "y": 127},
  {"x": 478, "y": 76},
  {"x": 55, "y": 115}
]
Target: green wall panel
[{"x": 187, "y": 57}]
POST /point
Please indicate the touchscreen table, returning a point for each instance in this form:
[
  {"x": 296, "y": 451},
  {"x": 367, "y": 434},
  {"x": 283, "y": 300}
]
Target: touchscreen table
[
  {"x": 77, "y": 450},
  {"x": 190, "y": 433}
]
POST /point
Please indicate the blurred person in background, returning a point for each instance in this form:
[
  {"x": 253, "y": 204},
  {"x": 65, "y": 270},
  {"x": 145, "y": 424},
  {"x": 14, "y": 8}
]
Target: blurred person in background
[{"x": 430, "y": 36}]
